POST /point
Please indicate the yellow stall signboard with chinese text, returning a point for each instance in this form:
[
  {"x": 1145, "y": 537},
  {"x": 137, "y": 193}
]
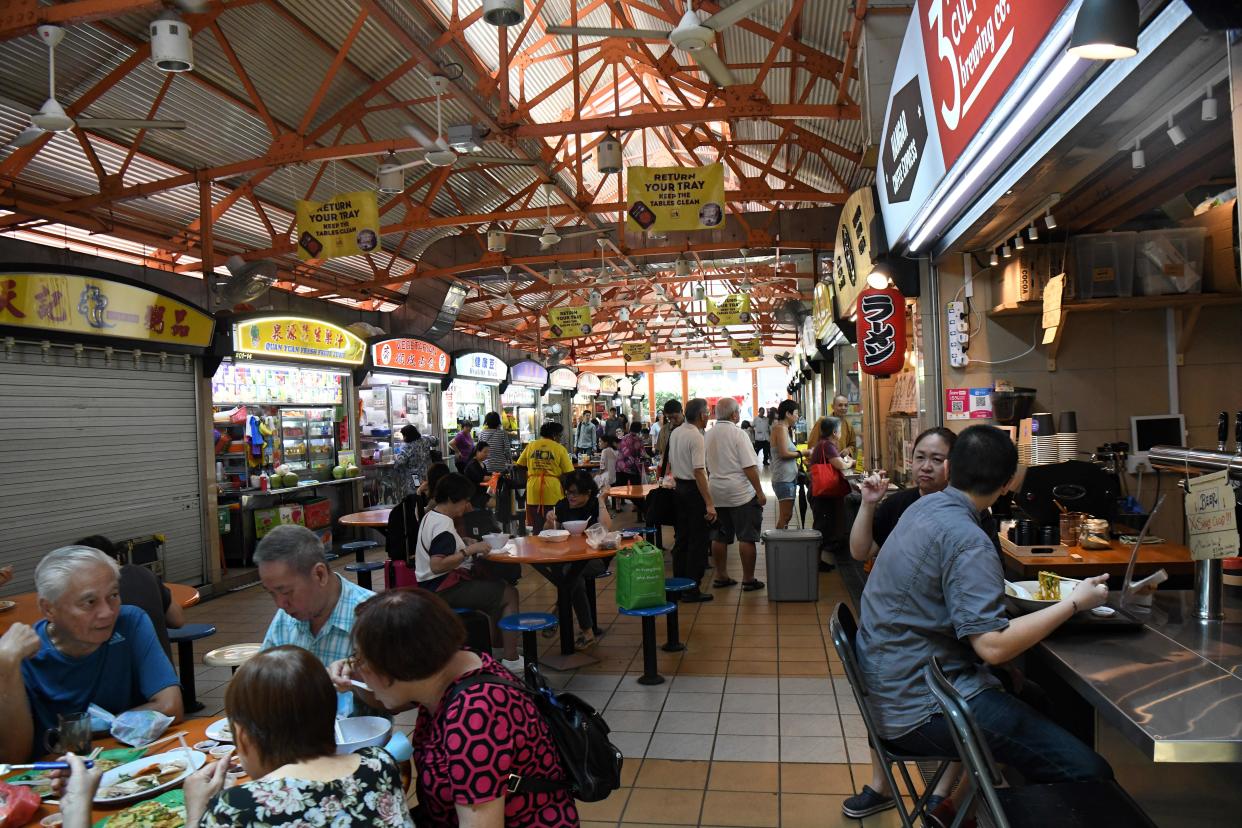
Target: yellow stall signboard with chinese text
[
  {"x": 567, "y": 322},
  {"x": 636, "y": 351},
  {"x": 344, "y": 225},
  {"x": 291, "y": 337},
  {"x": 675, "y": 198},
  {"x": 822, "y": 310},
  {"x": 734, "y": 309},
  {"x": 747, "y": 348},
  {"x": 69, "y": 303}
]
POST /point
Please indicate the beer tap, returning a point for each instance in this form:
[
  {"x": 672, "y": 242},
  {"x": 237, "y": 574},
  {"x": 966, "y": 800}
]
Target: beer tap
[
  {"x": 1222, "y": 430},
  {"x": 1237, "y": 434}
]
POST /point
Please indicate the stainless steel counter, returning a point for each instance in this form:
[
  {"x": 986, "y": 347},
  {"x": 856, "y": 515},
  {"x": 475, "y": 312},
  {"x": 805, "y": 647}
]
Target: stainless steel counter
[{"x": 1174, "y": 689}]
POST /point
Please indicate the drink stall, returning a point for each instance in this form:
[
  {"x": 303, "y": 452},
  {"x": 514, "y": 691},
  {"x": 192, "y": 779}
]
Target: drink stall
[
  {"x": 472, "y": 389},
  {"x": 402, "y": 387},
  {"x": 282, "y": 397},
  {"x": 519, "y": 400},
  {"x": 585, "y": 399}
]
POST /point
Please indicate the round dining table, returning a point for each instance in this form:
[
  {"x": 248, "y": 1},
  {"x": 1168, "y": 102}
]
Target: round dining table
[
  {"x": 561, "y": 562},
  {"x": 376, "y": 518},
  {"x": 636, "y": 493},
  {"x": 26, "y": 605}
]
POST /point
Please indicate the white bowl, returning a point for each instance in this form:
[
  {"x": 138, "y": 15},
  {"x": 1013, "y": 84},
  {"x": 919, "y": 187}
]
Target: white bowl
[
  {"x": 575, "y": 527},
  {"x": 1024, "y": 601},
  {"x": 363, "y": 731},
  {"x": 496, "y": 540},
  {"x": 555, "y": 535}
]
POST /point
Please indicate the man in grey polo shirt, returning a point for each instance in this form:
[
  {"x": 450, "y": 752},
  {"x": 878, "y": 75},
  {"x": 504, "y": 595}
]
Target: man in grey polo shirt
[
  {"x": 937, "y": 591},
  {"x": 733, "y": 477}
]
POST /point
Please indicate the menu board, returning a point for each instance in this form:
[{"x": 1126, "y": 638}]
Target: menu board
[
  {"x": 1211, "y": 518},
  {"x": 257, "y": 384},
  {"x": 563, "y": 378}
]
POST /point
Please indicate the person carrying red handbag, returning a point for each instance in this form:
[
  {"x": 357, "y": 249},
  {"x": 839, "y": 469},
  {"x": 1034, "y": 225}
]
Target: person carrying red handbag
[{"x": 828, "y": 485}]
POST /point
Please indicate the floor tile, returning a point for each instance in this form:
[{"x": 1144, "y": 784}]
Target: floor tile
[
  {"x": 698, "y": 684},
  {"x": 680, "y": 746},
  {"x": 596, "y": 682},
  {"x": 813, "y": 811},
  {"x": 749, "y": 724},
  {"x": 608, "y": 810},
  {"x": 817, "y": 778},
  {"x": 746, "y": 749},
  {"x": 753, "y": 668},
  {"x": 668, "y": 773},
  {"x": 812, "y": 749},
  {"x": 752, "y": 654},
  {"x": 853, "y": 727},
  {"x": 737, "y": 808},
  {"x": 806, "y": 724},
  {"x": 692, "y": 702},
  {"x": 677, "y": 721},
  {"x": 663, "y": 807},
  {"x": 634, "y": 721},
  {"x": 749, "y": 703},
  {"x": 859, "y": 749},
  {"x": 811, "y": 705},
  {"x": 745, "y": 776},
  {"x": 631, "y": 745},
  {"x": 630, "y": 700},
  {"x": 806, "y": 686},
  {"x": 745, "y": 684}
]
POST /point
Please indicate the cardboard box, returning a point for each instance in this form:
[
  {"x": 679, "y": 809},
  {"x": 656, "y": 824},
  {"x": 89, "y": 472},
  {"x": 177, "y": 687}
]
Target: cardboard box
[
  {"x": 1220, "y": 250},
  {"x": 317, "y": 513},
  {"x": 265, "y": 520},
  {"x": 292, "y": 515},
  {"x": 1023, "y": 277}
]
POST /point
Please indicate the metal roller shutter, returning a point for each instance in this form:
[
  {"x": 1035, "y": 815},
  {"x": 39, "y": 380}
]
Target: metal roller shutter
[{"x": 88, "y": 447}]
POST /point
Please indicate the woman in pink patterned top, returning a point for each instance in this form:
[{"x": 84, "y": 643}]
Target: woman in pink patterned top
[
  {"x": 631, "y": 457},
  {"x": 467, "y": 744}
]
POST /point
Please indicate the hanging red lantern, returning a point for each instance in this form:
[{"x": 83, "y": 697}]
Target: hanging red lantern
[{"x": 881, "y": 331}]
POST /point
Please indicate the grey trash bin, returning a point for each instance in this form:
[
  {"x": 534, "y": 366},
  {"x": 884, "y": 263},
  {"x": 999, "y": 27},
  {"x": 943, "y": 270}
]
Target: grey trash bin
[{"x": 793, "y": 564}]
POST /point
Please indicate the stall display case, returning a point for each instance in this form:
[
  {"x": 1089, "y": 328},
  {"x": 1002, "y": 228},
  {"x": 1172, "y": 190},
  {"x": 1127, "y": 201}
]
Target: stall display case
[{"x": 306, "y": 438}]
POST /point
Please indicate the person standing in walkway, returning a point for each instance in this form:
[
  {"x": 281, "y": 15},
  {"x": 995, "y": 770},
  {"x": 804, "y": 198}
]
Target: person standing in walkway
[
  {"x": 763, "y": 431},
  {"x": 586, "y": 438},
  {"x": 545, "y": 460},
  {"x": 631, "y": 457},
  {"x": 733, "y": 477},
  {"x": 828, "y": 511},
  {"x": 672, "y": 418},
  {"x": 785, "y": 462},
  {"x": 462, "y": 444},
  {"x": 696, "y": 510}
]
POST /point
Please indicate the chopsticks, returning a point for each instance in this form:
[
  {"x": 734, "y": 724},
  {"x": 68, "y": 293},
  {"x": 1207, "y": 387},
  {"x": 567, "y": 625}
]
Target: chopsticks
[{"x": 180, "y": 734}]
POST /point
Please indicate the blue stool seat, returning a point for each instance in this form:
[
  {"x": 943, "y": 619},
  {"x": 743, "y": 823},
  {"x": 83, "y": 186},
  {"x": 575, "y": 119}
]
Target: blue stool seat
[
  {"x": 673, "y": 586},
  {"x": 523, "y": 621},
  {"x": 648, "y": 615},
  {"x": 190, "y": 632},
  {"x": 649, "y": 612},
  {"x": 184, "y": 637},
  {"x": 678, "y": 584},
  {"x": 361, "y": 544},
  {"x": 363, "y": 571},
  {"x": 330, "y": 556}
]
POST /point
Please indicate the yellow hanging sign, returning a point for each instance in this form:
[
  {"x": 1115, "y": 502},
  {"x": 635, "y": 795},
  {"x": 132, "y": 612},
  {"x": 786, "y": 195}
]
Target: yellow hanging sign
[
  {"x": 568, "y": 322},
  {"x": 748, "y": 349},
  {"x": 290, "y": 337},
  {"x": 68, "y": 303},
  {"x": 344, "y": 225},
  {"x": 734, "y": 309},
  {"x": 675, "y": 198},
  {"x": 636, "y": 351},
  {"x": 822, "y": 310}
]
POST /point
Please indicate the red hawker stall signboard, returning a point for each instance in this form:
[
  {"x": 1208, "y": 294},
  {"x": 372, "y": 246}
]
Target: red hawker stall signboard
[
  {"x": 881, "y": 331},
  {"x": 974, "y": 50},
  {"x": 410, "y": 355}
]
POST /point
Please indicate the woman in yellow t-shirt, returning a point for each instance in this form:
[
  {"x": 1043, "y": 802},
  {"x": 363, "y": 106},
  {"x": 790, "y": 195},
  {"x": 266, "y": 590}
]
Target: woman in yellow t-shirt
[{"x": 545, "y": 461}]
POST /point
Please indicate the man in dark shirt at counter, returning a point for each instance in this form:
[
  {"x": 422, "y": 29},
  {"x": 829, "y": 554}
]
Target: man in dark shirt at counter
[{"x": 937, "y": 591}]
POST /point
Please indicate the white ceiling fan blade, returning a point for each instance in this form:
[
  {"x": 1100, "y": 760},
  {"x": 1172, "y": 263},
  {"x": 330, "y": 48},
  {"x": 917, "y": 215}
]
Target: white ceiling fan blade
[
  {"x": 495, "y": 159},
  {"x": 726, "y": 17},
  {"x": 128, "y": 123},
  {"x": 597, "y": 231},
  {"x": 27, "y": 136},
  {"x": 418, "y": 135},
  {"x": 397, "y": 167},
  {"x": 595, "y": 31},
  {"x": 530, "y": 234},
  {"x": 715, "y": 68}
]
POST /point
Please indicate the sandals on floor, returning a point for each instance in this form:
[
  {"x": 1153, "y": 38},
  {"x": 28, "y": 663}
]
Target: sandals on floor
[
  {"x": 584, "y": 640},
  {"x": 723, "y": 582},
  {"x": 751, "y": 586}
]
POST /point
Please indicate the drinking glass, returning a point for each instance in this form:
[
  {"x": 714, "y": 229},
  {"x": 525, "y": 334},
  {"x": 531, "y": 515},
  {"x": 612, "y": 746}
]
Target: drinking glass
[{"x": 71, "y": 734}]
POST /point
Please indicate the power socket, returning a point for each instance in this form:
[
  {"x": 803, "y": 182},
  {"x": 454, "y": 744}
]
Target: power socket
[
  {"x": 959, "y": 334},
  {"x": 1138, "y": 462}
]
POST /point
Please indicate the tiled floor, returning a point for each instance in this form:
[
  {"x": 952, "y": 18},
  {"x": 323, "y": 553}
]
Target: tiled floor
[{"x": 755, "y": 725}]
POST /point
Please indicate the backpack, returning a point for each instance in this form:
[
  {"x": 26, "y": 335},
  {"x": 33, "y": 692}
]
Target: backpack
[
  {"x": 591, "y": 763},
  {"x": 402, "y": 530}
]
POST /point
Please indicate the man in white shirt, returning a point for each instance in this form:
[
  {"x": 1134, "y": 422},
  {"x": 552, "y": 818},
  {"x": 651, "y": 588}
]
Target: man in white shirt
[
  {"x": 695, "y": 506},
  {"x": 763, "y": 436},
  {"x": 732, "y": 466}
]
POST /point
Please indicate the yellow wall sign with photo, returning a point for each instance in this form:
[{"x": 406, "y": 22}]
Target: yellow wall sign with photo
[
  {"x": 69, "y": 303},
  {"x": 636, "y": 351},
  {"x": 734, "y": 309},
  {"x": 567, "y": 322},
  {"x": 675, "y": 198},
  {"x": 344, "y": 225},
  {"x": 822, "y": 310},
  {"x": 292, "y": 337},
  {"x": 747, "y": 348}
]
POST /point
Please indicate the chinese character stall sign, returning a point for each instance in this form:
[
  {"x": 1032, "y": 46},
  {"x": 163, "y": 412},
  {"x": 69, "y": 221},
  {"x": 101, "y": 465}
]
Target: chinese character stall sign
[{"x": 881, "y": 331}]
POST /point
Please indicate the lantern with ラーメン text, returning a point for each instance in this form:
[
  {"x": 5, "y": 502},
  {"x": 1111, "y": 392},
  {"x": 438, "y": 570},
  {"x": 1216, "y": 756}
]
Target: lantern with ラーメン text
[{"x": 881, "y": 331}]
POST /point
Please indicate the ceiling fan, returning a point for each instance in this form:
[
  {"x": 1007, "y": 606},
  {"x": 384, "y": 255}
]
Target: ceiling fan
[
  {"x": 690, "y": 34},
  {"x": 548, "y": 236},
  {"x": 51, "y": 117},
  {"x": 438, "y": 153}
]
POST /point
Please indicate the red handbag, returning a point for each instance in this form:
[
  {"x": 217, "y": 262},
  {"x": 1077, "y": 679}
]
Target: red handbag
[{"x": 826, "y": 479}]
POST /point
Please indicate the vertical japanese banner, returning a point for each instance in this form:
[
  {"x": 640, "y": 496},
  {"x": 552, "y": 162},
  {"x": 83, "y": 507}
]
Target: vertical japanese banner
[{"x": 344, "y": 225}]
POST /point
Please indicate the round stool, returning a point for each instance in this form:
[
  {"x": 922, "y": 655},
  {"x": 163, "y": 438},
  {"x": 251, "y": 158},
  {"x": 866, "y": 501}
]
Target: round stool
[
  {"x": 184, "y": 637},
  {"x": 234, "y": 655},
  {"x": 673, "y": 586},
  {"x": 359, "y": 548},
  {"x": 362, "y": 571},
  {"x": 528, "y": 623},
  {"x": 648, "y": 615}
]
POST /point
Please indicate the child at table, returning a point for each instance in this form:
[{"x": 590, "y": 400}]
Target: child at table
[
  {"x": 608, "y": 459},
  {"x": 583, "y": 500}
]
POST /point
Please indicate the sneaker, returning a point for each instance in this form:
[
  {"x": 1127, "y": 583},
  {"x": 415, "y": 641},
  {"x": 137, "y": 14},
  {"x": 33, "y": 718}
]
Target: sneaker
[
  {"x": 866, "y": 803},
  {"x": 517, "y": 666}
]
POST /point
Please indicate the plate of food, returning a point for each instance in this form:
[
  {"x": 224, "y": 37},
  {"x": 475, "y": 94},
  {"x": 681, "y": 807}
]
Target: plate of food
[
  {"x": 41, "y": 781},
  {"x": 141, "y": 778},
  {"x": 165, "y": 811},
  {"x": 219, "y": 730},
  {"x": 7, "y": 605},
  {"x": 1032, "y": 596},
  {"x": 555, "y": 535}
]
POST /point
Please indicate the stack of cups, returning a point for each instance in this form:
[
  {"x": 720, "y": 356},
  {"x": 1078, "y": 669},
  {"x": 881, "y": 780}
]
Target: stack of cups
[
  {"x": 1067, "y": 436},
  {"x": 1043, "y": 440}
]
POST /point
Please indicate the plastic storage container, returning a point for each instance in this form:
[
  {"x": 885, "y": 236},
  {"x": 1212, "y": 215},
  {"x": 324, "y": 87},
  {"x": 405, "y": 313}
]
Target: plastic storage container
[
  {"x": 1104, "y": 264},
  {"x": 1170, "y": 261},
  {"x": 793, "y": 564}
]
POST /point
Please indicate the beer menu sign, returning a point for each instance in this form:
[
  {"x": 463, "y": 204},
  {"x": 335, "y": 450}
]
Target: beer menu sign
[{"x": 957, "y": 61}]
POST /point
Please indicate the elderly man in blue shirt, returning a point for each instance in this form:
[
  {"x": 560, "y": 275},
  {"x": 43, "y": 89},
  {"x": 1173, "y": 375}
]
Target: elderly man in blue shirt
[{"x": 88, "y": 649}]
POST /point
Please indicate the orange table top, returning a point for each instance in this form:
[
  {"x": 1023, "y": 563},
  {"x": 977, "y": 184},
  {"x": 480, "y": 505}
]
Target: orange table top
[
  {"x": 370, "y": 519},
  {"x": 536, "y": 550},
  {"x": 638, "y": 492},
  {"x": 1172, "y": 557},
  {"x": 27, "y": 609}
]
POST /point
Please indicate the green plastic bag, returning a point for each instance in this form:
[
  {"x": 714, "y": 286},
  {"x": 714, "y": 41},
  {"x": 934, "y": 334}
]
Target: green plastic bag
[{"x": 640, "y": 576}]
